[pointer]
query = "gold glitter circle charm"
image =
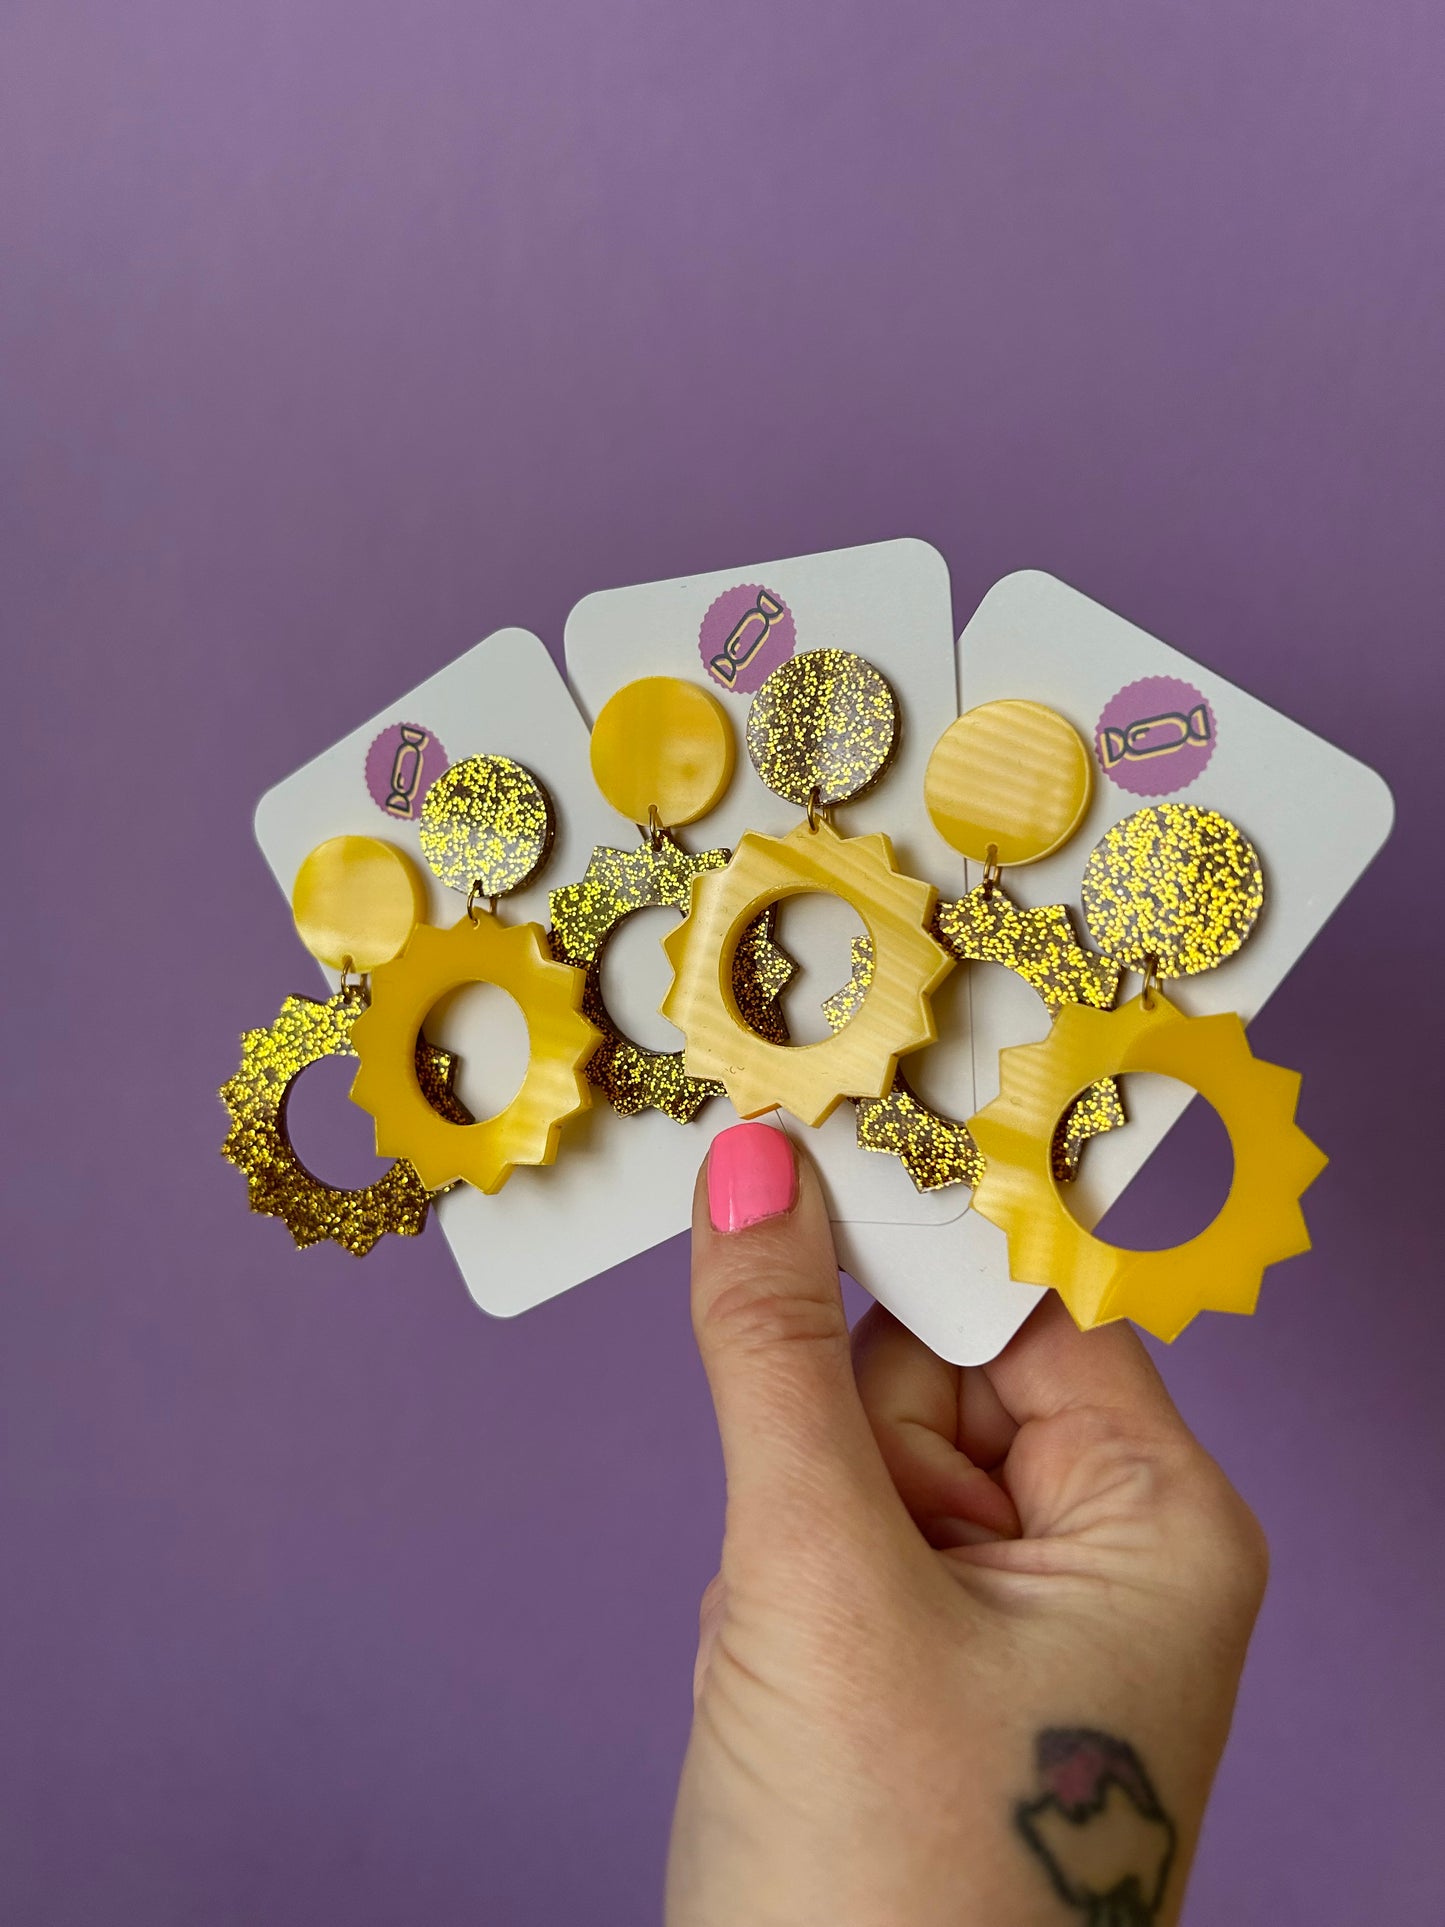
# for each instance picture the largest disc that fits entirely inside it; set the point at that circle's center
(1013, 777)
(486, 824)
(1260, 1222)
(585, 915)
(662, 744)
(822, 727)
(1040, 947)
(1172, 887)
(809, 1080)
(356, 901)
(278, 1183)
(516, 959)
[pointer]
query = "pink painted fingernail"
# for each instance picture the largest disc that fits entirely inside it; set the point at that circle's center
(750, 1176)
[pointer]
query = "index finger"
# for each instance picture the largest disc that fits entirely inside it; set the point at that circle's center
(1050, 1366)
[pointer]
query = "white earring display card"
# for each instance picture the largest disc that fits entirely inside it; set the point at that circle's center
(891, 603)
(1162, 728)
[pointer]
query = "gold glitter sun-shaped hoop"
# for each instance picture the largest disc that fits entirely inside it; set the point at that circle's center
(821, 729)
(662, 755)
(1040, 947)
(278, 1184)
(1220, 1269)
(486, 827)
(585, 915)
(355, 902)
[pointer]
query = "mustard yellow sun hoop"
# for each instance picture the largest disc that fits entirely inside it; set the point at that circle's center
(809, 1080)
(1220, 1269)
(526, 1131)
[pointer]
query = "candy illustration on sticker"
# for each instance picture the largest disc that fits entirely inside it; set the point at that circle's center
(1155, 736)
(401, 765)
(745, 634)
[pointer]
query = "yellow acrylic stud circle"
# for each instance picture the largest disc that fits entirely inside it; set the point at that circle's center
(515, 958)
(356, 900)
(1259, 1223)
(895, 1017)
(1013, 776)
(662, 744)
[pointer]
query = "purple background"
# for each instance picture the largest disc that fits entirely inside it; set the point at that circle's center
(337, 334)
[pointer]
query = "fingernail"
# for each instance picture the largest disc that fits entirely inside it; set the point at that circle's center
(750, 1176)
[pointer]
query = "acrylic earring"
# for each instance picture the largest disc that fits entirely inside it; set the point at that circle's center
(486, 828)
(820, 730)
(1168, 892)
(662, 755)
(1008, 783)
(355, 901)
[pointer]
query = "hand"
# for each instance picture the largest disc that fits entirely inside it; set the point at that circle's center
(973, 1649)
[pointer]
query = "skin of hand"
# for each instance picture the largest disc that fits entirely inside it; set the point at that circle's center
(924, 1569)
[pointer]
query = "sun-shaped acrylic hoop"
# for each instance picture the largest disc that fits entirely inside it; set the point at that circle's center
(515, 958)
(807, 1079)
(1220, 1269)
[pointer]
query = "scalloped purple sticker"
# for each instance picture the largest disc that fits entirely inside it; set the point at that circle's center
(745, 634)
(401, 765)
(1155, 736)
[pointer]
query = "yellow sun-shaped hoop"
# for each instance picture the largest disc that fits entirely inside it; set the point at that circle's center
(809, 1080)
(515, 958)
(1220, 1269)
(278, 1184)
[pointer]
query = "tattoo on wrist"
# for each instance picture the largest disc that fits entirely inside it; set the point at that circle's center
(1097, 1827)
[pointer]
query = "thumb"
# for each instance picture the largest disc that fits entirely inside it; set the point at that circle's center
(768, 1314)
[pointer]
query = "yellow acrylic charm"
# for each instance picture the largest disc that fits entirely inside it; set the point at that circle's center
(895, 1016)
(1220, 1269)
(514, 958)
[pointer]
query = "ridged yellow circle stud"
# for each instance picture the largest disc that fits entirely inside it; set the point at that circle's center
(1015, 775)
(356, 900)
(664, 744)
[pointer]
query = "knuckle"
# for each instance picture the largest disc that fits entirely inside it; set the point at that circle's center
(714, 1598)
(1237, 1540)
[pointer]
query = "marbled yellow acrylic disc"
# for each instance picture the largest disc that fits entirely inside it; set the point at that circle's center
(356, 900)
(1173, 885)
(1015, 775)
(665, 744)
(823, 725)
(485, 822)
